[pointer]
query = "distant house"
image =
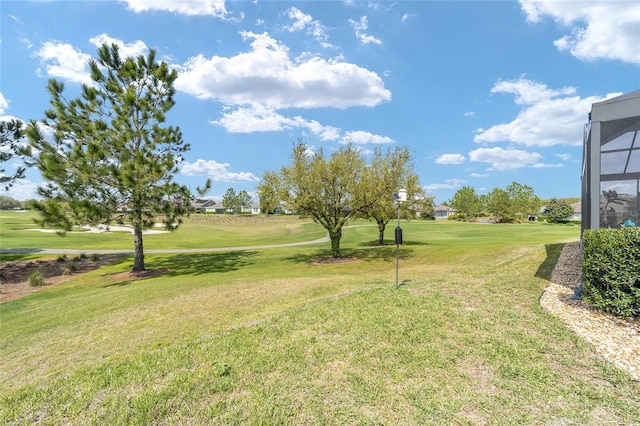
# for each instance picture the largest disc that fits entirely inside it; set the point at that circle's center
(221, 209)
(442, 212)
(254, 208)
(204, 206)
(577, 211)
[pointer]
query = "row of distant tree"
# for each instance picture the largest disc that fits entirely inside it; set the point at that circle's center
(8, 203)
(236, 201)
(516, 202)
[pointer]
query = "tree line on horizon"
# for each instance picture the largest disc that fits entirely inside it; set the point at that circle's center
(515, 203)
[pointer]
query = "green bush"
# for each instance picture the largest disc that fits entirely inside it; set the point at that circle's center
(611, 270)
(36, 279)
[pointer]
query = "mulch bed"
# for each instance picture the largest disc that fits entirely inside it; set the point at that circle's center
(13, 275)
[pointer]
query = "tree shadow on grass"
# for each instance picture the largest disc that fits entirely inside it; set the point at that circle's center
(546, 267)
(386, 253)
(189, 264)
(389, 243)
(204, 263)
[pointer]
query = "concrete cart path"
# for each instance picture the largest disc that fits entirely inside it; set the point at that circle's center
(151, 251)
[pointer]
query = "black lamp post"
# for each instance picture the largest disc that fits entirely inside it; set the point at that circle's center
(399, 197)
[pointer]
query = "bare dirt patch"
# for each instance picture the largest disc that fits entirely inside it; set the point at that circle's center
(13, 275)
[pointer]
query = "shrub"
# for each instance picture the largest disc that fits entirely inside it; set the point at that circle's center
(62, 258)
(611, 270)
(36, 279)
(95, 257)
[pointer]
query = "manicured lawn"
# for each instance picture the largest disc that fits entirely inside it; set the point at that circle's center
(203, 231)
(270, 337)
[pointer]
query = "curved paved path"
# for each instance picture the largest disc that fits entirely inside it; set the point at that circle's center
(192, 250)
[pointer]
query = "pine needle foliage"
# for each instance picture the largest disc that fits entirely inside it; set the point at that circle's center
(111, 156)
(11, 131)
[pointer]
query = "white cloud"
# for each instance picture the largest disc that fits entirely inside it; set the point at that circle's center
(470, 114)
(133, 50)
(548, 117)
(600, 29)
(361, 137)
(545, 166)
(303, 21)
(216, 171)
(4, 104)
(325, 133)
(23, 190)
(266, 75)
(192, 7)
(479, 175)
(504, 159)
(16, 19)
(360, 28)
(26, 42)
(448, 184)
(529, 92)
(564, 157)
(451, 159)
(264, 119)
(300, 20)
(62, 60)
(406, 16)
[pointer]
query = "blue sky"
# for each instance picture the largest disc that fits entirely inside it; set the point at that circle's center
(483, 93)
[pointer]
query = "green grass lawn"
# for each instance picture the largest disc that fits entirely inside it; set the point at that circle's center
(201, 231)
(270, 337)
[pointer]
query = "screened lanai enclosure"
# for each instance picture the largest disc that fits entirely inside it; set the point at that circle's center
(611, 164)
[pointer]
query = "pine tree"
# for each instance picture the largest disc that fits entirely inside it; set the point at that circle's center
(112, 158)
(11, 132)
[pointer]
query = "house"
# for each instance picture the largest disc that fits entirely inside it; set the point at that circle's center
(443, 212)
(203, 206)
(611, 164)
(254, 208)
(577, 211)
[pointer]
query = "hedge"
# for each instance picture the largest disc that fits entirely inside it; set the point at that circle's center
(611, 270)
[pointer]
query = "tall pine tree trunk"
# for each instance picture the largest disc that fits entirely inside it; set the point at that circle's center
(138, 257)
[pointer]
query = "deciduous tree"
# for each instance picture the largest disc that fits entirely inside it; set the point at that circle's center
(331, 191)
(499, 204)
(523, 200)
(244, 199)
(466, 201)
(230, 200)
(112, 157)
(392, 169)
(269, 192)
(557, 210)
(8, 203)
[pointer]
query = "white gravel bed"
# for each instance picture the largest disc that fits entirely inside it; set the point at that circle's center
(615, 339)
